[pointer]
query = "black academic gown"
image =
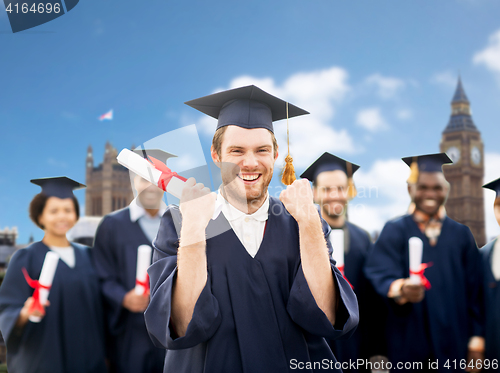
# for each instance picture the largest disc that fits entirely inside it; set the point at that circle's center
(440, 326)
(70, 338)
(115, 256)
(492, 305)
(254, 315)
(366, 340)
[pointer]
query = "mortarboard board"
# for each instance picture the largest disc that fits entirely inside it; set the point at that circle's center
(330, 162)
(60, 187)
(159, 154)
(494, 185)
(425, 163)
(247, 107)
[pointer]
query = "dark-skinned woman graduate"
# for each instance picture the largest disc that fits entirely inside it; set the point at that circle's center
(69, 336)
(491, 271)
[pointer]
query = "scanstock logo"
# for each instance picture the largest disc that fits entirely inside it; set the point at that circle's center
(25, 14)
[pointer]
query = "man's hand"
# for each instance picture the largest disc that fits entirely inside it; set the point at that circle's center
(197, 206)
(298, 200)
(413, 293)
(134, 302)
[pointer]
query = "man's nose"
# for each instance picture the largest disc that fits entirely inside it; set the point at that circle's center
(250, 160)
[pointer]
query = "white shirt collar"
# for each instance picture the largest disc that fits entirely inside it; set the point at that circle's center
(137, 211)
(231, 213)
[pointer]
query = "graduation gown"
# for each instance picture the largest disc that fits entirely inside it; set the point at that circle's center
(254, 315)
(439, 327)
(491, 304)
(366, 340)
(115, 256)
(70, 338)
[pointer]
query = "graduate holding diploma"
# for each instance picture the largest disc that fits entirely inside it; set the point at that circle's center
(64, 333)
(261, 296)
(427, 267)
(122, 254)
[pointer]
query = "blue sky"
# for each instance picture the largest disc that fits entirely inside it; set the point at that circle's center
(377, 77)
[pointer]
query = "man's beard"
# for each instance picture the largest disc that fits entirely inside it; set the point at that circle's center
(331, 211)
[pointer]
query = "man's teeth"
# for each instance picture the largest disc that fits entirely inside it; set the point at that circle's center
(249, 177)
(430, 202)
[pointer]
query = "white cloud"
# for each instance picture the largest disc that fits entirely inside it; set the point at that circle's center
(382, 194)
(387, 87)
(491, 172)
(404, 114)
(446, 79)
(318, 92)
(490, 56)
(371, 119)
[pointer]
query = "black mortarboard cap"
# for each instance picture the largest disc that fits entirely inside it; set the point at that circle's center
(60, 187)
(159, 154)
(494, 185)
(247, 107)
(429, 162)
(328, 162)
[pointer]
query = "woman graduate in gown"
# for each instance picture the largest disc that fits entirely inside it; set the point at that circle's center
(69, 337)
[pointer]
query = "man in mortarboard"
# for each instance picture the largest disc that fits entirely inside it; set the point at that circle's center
(491, 272)
(115, 255)
(263, 295)
(333, 189)
(439, 319)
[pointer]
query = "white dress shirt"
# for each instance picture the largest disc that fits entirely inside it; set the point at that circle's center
(66, 254)
(149, 224)
(249, 228)
(495, 260)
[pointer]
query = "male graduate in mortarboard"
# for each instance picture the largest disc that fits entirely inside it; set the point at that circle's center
(263, 295)
(115, 254)
(333, 188)
(439, 318)
(491, 271)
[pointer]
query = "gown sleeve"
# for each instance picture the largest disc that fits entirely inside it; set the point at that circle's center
(104, 256)
(13, 293)
(304, 311)
(474, 270)
(384, 264)
(162, 273)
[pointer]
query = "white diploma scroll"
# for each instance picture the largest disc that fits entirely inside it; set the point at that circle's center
(46, 277)
(416, 247)
(337, 241)
(143, 263)
(137, 164)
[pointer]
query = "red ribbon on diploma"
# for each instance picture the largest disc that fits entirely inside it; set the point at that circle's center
(166, 173)
(144, 284)
(341, 269)
(35, 284)
(420, 273)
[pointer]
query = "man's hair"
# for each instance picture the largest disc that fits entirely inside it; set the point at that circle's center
(37, 206)
(219, 136)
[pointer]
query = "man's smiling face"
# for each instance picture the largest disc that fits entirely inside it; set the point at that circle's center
(247, 159)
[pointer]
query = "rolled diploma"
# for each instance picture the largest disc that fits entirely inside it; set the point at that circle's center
(337, 241)
(46, 277)
(137, 164)
(416, 247)
(143, 262)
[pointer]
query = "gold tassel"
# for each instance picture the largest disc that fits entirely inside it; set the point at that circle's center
(413, 172)
(288, 173)
(351, 189)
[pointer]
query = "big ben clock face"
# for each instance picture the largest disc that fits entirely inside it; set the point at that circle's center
(454, 153)
(475, 155)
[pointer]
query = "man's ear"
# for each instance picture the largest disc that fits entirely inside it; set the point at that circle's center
(410, 190)
(277, 153)
(214, 155)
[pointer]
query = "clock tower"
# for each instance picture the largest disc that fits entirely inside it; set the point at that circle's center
(462, 142)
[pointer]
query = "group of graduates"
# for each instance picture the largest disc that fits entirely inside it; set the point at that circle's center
(257, 309)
